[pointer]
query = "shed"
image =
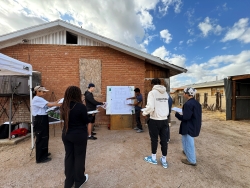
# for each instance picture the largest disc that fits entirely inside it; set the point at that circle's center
(237, 89)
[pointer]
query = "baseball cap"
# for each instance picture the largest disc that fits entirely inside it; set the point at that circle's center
(40, 88)
(91, 85)
(190, 91)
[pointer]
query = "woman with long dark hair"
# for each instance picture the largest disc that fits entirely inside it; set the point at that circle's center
(41, 123)
(74, 136)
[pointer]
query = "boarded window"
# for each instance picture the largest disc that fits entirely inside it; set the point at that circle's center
(90, 72)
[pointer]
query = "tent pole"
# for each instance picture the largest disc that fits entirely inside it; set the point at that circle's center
(10, 116)
(31, 119)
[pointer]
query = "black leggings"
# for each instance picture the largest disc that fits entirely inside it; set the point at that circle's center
(159, 128)
(41, 128)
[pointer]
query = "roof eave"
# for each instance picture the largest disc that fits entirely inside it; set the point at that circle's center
(106, 41)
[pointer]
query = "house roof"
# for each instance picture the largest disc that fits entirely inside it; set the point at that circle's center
(205, 84)
(239, 77)
(18, 37)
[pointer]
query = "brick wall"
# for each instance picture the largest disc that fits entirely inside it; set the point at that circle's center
(59, 67)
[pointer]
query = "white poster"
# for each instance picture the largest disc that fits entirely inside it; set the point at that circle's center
(117, 100)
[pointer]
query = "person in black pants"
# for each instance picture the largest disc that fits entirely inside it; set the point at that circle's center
(138, 107)
(41, 123)
(74, 137)
(91, 104)
(158, 109)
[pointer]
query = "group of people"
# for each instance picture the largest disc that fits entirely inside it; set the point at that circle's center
(78, 126)
(77, 129)
(159, 107)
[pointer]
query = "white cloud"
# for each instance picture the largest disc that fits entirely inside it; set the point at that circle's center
(166, 35)
(207, 47)
(146, 42)
(218, 66)
(191, 31)
(224, 6)
(167, 3)
(161, 52)
(123, 21)
(190, 15)
(205, 26)
(217, 30)
(240, 31)
(190, 42)
(209, 26)
(146, 19)
(178, 60)
(181, 42)
(164, 54)
(224, 48)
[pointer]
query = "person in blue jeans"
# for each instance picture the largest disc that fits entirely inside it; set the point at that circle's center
(138, 107)
(170, 103)
(190, 125)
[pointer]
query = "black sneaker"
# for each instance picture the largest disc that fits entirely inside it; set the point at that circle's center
(92, 133)
(45, 160)
(92, 137)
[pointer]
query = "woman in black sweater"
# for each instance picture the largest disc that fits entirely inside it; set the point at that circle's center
(74, 137)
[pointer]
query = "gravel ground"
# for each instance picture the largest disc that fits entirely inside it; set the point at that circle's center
(115, 159)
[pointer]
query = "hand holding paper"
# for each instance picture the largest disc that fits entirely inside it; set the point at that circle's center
(104, 106)
(128, 101)
(179, 110)
(60, 101)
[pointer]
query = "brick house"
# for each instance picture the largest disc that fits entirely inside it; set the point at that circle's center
(209, 94)
(67, 55)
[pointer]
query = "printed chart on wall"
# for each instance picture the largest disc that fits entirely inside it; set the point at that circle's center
(117, 100)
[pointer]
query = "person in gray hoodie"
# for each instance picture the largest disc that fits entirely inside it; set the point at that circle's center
(158, 109)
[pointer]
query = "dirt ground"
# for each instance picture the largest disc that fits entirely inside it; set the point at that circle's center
(116, 159)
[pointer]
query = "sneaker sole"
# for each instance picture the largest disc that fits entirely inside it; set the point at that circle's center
(150, 162)
(163, 165)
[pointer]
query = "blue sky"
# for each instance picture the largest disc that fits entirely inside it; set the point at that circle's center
(210, 38)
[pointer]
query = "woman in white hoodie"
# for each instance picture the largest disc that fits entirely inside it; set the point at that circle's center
(158, 109)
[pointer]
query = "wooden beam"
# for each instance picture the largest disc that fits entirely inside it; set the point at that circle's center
(242, 77)
(234, 101)
(242, 97)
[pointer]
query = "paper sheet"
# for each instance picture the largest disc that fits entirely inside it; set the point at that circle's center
(104, 106)
(179, 110)
(129, 101)
(93, 112)
(61, 101)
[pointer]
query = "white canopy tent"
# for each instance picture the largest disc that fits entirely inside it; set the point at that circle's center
(11, 66)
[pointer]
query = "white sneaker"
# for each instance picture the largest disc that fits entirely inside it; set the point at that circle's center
(87, 177)
(139, 131)
(164, 164)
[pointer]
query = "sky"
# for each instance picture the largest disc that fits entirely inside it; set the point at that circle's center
(209, 38)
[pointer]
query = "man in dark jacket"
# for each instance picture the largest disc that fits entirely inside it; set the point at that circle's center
(190, 125)
(91, 104)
